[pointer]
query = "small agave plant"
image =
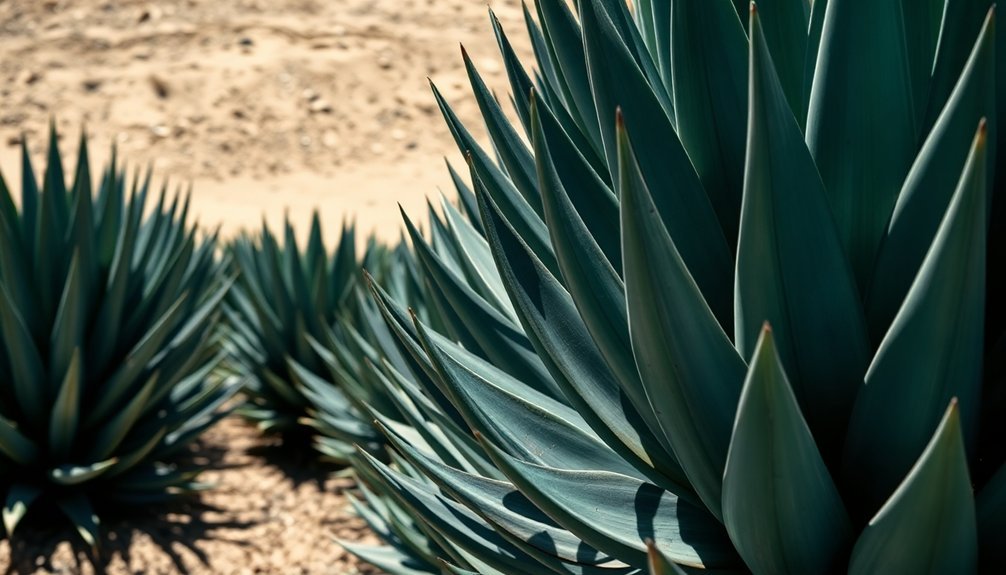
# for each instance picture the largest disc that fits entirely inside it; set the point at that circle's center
(288, 308)
(107, 345)
(734, 308)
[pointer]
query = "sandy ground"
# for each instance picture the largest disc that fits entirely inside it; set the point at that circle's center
(268, 515)
(265, 106)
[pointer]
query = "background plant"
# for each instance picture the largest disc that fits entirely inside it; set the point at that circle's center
(598, 391)
(107, 323)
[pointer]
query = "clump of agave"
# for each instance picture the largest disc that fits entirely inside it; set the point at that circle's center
(288, 308)
(736, 308)
(107, 316)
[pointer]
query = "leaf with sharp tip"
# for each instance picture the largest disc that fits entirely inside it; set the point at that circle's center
(503, 341)
(792, 270)
(458, 524)
(928, 524)
(595, 286)
(708, 50)
(29, 200)
(388, 559)
(524, 525)
(861, 123)
(679, 195)
(780, 505)
(20, 496)
(486, 173)
(476, 259)
(921, 21)
(531, 425)
(78, 509)
(931, 353)
(77, 474)
(616, 514)
(513, 152)
(929, 187)
(962, 23)
(690, 370)
(590, 192)
(554, 326)
(66, 409)
(567, 49)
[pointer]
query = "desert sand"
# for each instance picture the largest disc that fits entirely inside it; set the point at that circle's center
(267, 107)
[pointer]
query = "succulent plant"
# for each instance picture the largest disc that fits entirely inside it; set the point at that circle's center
(287, 309)
(107, 322)
(733, 309)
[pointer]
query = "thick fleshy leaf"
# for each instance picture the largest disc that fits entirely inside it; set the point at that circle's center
(592, 281)
(658, 562)
(555, 328)
(784, 27)
(78, 509)
(26, 364)
(962, 22)
(617, 514)
(932, 352)
(709, 64)
(780, 505)
(77, 474)
(678, 194)
(929, 186)
(861, 124)
(691, 372)
(928, 523)
(791, 268)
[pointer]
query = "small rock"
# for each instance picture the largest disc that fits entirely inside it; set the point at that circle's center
(92, 85)
(377, 148)
(13, 141)
(329, 139)
(28, 77)
(150, 13)
(160, 131)
(384, 61)
(246, 42)
(160, 86)
(305, 141)
(309, 95)
(398, 135)
(321, 106)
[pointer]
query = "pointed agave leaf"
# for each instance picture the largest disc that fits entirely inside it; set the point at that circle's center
(555, 328)
(780, 505)
(861, 124)
(66, 409)
(616, 514)
(709, 64)
(928, 524)
(110, 435)
(917, 369)
(962, 23)
(791, 268)
(929, 187)
(678, 194)
(691, 372)
(77, 474)
(20, 496)
(388, 559)
(595, 286)
(78, 509)
(513, 152)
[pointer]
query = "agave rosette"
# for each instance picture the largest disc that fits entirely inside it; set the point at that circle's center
(107, 331)
(732, 308)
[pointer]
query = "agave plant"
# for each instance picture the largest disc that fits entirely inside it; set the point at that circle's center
(733, 309)
(287, 309)
(107, 316)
